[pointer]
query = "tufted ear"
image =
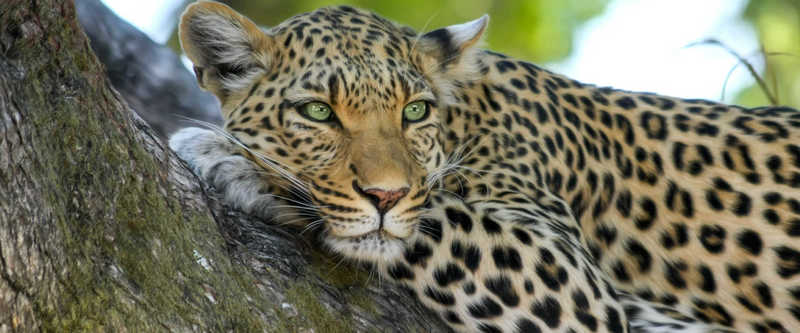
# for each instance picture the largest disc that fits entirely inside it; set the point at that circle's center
(228, 50)
(451, 44)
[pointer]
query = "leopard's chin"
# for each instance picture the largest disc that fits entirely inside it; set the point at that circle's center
(376, 247)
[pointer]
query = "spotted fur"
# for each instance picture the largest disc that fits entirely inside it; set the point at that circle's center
(531, 202)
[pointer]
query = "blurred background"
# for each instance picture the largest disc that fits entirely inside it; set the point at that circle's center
(686, 48)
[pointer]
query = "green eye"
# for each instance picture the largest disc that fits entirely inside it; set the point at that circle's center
(415, 111)
(317, 111)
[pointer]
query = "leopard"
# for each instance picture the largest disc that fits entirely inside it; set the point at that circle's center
(503, 196)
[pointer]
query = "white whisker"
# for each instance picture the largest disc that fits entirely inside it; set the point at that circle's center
(269, 162)
(312, 225)
(452, 163)
(422, 32)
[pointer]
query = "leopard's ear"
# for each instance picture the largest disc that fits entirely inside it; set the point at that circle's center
(451, 54)
(228, 50)
(451, 44)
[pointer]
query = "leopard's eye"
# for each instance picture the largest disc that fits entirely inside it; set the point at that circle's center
(415, 111)
(317, 111)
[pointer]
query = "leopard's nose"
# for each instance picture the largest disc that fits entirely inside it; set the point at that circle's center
(382, 199)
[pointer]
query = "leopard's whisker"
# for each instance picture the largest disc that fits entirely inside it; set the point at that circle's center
(269, 162)
(298, 203)
(422, 33)
(313, 225)
(453, 161)
(301, 208)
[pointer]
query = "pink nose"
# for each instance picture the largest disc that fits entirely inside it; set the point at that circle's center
(385, 200)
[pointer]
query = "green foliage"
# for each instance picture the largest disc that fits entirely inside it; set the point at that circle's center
(778, 25)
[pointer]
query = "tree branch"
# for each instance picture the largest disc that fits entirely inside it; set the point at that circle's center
(149, 76)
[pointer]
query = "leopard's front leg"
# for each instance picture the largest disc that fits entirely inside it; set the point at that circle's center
(242, 183)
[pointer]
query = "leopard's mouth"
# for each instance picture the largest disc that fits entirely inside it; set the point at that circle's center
(384, 234)
(375, 246)
(381, 235)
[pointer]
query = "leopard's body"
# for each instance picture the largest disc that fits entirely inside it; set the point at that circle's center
(523, 200)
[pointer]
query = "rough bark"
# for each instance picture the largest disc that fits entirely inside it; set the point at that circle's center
(102, 228)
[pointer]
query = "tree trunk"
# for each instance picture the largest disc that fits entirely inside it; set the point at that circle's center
(103, 228)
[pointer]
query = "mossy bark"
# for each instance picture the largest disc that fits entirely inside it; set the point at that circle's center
(102, 228)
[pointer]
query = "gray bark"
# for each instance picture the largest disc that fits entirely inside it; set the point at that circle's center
(103, 228)
(149, 76)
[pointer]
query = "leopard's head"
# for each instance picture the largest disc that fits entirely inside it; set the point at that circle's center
(342, 109)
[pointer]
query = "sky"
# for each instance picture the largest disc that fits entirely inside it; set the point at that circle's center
(639, 45)
(645, 46)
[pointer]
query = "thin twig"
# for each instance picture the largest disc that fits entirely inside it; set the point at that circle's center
(742, 60)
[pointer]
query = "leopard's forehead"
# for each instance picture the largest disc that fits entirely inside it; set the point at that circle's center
(353, 53)
(347, 21)
(358, 37)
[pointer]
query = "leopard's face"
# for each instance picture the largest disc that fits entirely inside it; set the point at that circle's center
(357, 135)
(351, 132)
